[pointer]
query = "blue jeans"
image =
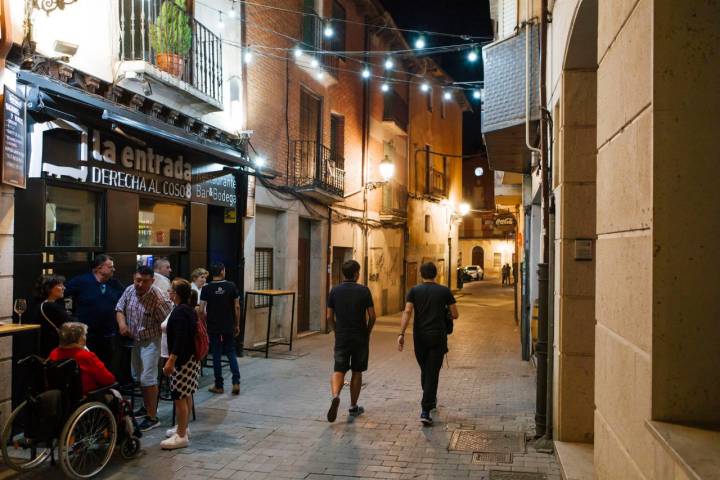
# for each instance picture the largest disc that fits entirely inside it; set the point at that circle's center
(219, 345)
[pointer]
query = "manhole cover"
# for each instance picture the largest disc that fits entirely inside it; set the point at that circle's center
(502, 475)
(493, 442)
(491, 457)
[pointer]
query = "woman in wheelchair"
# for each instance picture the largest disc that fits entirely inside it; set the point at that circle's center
(93, 373)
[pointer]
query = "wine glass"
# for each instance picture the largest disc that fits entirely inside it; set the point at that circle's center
(20, 307)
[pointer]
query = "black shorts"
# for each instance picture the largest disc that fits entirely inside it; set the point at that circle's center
(352, 355)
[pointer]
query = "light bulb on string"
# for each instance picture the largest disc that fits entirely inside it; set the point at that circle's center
(385, 87)
(221, 24)
(314, 63)
(389, 63)
(472, 56)
(476, 94)
(328, 30)
(366, 72)
(447, 95)
(297, 51)
(232, 13)
(248, 56)
(420, 42)
(425, 87)
(320, 75)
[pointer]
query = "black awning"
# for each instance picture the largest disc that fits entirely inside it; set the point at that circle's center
(47, 90)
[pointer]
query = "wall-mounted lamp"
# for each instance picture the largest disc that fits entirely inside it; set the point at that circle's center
(387, 169)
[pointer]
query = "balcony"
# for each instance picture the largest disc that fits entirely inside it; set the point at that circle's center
(164, 51)
(318, 171)
(437, 184)
(314, 40)
(395, 113)
(394, 202)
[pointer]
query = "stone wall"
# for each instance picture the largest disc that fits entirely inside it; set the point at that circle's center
(7, 226)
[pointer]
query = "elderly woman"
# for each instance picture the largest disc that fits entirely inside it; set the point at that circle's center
(48, 312)
(93, 373)
(181, 365)
(199, 279)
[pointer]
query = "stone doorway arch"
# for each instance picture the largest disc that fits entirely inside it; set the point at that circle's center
(478, 257)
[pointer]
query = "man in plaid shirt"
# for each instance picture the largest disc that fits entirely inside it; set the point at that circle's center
(140, 311)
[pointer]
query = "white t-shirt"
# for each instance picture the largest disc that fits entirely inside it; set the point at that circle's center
(162, 282)
(163, 339)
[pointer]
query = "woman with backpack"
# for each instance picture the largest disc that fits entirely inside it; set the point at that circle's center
(182, 365)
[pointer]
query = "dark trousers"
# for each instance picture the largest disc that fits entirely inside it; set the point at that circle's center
(104, 348)
(429, 352)
(224, 345)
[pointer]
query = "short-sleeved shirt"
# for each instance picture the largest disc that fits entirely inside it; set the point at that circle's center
(350, 301)
(94, 303)
(144, 314)
(430, 302)
(220, 297)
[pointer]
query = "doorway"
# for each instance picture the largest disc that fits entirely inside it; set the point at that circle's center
(478, 257)
(222, 240)
(303, 293)
(340, 256)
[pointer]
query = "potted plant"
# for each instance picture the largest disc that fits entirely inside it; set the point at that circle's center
(171, 37)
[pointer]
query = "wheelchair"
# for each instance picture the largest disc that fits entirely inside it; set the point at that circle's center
(55, 417)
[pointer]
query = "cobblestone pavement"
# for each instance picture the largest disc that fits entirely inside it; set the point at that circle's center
(276, 428)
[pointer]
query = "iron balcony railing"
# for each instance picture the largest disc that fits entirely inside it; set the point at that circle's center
(437, 184)
(163, 34)
(317, 166)
(394, 199)
(315, 40)
(395, 109)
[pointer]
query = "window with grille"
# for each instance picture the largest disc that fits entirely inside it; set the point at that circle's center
(263, 274)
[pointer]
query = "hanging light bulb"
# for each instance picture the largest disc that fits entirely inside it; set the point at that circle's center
(472, 56)
(260, 161)
(389, 63)
(297, 51)
(248, 56)
(232, 13)
(476, 94)
(221, 24)
(320, 75)
(366, 72)
(447, 95)
(314, 63)
(385, 87)
(420, 42)
(425, 87)
(328, 31)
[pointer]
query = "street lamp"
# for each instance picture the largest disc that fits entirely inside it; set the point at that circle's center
(387, 169)
(464, 209)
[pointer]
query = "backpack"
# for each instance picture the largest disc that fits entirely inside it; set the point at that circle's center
(202, 342)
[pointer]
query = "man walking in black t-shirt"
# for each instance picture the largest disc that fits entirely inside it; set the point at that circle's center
(431, 303)
(350, 309)
(220, 301)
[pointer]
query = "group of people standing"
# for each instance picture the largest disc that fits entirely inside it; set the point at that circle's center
(155, 319)
(509, 274)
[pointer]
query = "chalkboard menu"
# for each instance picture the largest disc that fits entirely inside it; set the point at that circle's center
(13, 147)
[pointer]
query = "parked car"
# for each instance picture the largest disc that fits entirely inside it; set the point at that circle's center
(475, 272)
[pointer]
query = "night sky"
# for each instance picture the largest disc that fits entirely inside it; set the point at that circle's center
(462, 17)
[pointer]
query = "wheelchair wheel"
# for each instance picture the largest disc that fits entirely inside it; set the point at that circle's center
(129, 447)
(87, 440)
(21, 453)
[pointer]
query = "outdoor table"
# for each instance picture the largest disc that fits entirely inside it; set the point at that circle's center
(271, 294)
(19, 351)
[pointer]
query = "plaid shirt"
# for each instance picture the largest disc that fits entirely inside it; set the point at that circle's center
(144, 314)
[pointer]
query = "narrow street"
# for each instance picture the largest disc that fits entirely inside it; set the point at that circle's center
(277, 429)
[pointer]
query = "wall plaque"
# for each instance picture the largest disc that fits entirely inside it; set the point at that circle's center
(13, 148)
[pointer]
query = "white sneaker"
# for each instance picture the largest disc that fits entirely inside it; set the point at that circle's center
(172, 431)
(174, 442)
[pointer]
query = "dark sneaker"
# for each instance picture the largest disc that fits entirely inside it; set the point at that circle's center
(149, 423)
(332, 413)
(356, 411)
(216, 390)
(236, 389)
(140, 412)
(425, 418)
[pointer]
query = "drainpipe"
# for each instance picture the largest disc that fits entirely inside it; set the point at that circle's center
(365, 160)
(329, 263)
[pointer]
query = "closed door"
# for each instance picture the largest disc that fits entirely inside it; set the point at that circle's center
(303, 314)
(478, 257)
(412, 271)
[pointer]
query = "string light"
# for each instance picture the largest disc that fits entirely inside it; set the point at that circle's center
(328, 31)
(232, 13)
(472, 56)
(297, 51)
(248, 56)
(366, 72)
(389, 63)
(476, 94)
(420, 43)
(385, 87)
(314, 63)
(447, 95)
(260, 161)
(320, 75)
(220, 20)
(425, 87)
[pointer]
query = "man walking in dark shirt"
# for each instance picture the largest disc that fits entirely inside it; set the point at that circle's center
(350, 309)
(431, 303)
(220, 301)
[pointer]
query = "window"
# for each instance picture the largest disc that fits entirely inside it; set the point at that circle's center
(428, 222)
(497, 259)
(338, 14)
(263, 274)
(337, 140)
(71, 218)
(161, 225)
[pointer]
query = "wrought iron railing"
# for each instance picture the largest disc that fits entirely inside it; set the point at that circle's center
(394, 199)
(437, 184)
(163, 34)
(396, 110)
(317, 166)
(315, 40)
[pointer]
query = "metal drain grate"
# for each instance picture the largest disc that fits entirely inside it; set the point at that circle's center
(491, 457)
(489, 442)
(502, 475)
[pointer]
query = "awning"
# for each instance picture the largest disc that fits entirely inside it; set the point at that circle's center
(49, 95)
